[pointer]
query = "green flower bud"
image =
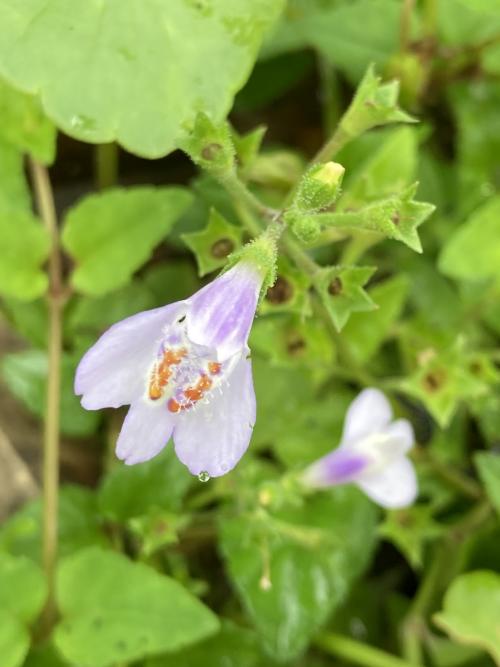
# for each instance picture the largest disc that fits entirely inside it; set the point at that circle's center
(319, 187)
(305, 227)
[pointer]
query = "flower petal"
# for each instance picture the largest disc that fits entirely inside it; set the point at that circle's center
(221, 314)
(401, 431)
(112, 372)
(145, 432)
(338, 467)
(370, 412)
(394, 486)
(213, 436)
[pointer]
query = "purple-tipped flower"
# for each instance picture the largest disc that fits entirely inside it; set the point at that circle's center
(372, 454)
(185, 371)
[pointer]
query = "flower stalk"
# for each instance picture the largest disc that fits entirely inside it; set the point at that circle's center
(50, 474)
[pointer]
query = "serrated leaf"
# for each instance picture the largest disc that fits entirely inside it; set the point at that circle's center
(364, 334)
(488, 466)
(471, 610)
(290, 341)
(25, 373)
(25, 247)
(395, 217)
(104, 621)
(24, 125)
(473, 251)
(212, 245)
(294, 568)
(342, 293)
(89, 63)
(290, 291)
(410, 530)
(132, 491)
(111, 235)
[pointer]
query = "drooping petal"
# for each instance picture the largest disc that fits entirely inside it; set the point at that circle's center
(392, 487)
(220, 315)
(370, 412)
(338, 467)
(213, 436)
(112, 372)
(145, 432)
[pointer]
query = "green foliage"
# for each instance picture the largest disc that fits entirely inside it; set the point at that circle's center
(488, 465)
(342, 293)
(111, 235)
(26, 374)
(293, 568)
(24, 125)
(22, 594)
(87, 86)
(212, 245)
(478, 592)
(104, 621)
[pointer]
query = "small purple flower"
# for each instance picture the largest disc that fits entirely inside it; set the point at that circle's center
(185, 371)
(372, 454)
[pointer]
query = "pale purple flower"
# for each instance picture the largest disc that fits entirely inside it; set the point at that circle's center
(185, 371)
(372, 454)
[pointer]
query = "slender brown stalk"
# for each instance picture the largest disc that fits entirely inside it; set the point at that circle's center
(47, 212)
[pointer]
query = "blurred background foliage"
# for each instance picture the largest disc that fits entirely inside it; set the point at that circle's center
(156, 568)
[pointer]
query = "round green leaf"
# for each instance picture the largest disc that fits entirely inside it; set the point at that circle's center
(471, 611)
(91, 60)
(111, 235)
(22, 587)
(14, 640)
(114, 610)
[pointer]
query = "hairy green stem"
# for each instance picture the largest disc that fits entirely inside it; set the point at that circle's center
(106, 165)
(240, 192)
(46, 209)
(339, 139)
(405, 24)
(356, 652)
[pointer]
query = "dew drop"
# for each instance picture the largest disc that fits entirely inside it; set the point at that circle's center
(203, 476)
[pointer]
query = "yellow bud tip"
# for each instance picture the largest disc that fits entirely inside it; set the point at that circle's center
(330, 173)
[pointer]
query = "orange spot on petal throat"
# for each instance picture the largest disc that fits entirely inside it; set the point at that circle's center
(162, 372)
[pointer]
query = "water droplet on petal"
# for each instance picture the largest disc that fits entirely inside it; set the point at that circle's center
(203, 476)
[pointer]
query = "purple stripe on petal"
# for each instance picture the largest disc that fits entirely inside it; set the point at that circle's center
(338, 467)
(221, 314)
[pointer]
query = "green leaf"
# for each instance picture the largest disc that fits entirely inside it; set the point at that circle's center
(24, 125)
(342, 293)
(290, 292)
(410, 530)
(14, 640)
(14, 190)
(291, 341)
(339, 31)
(89, 63)
(443, 379)
(488, 466)
(171, 282)
(388, 171)
(22, 595)
(29, 319)
(365, 333)
(105, 622)
(44, 656)
(212, 245)
(111, 235)
(375, 103)
(25, 373)
(471, 610)
(231, 647)
(292, 569)
(396, 217)
(79, 525)
(132, 491)
(25, 247)
(473, 251)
